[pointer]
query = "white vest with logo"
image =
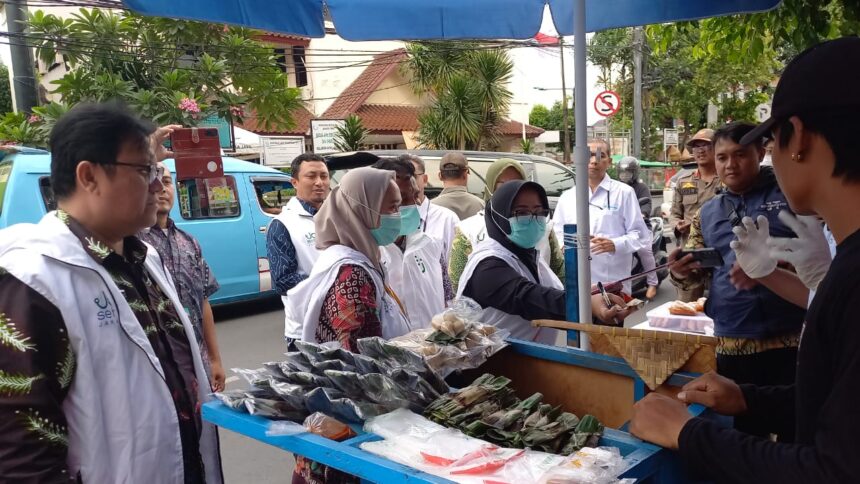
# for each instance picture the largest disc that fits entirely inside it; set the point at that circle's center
(122, 423)
(474, 228)
(519, 327)
(304, 302)
(300, 225)
(415, 275)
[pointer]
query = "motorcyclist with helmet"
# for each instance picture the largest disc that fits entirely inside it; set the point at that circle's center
(628, 172)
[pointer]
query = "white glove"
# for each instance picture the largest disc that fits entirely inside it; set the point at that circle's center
(751, 248)
(809, 253)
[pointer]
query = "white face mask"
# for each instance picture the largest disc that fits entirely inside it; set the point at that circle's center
(768, 160)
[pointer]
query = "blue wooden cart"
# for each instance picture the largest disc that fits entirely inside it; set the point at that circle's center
(580, 381)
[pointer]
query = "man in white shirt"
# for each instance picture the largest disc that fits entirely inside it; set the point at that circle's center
(617, 227)
(436, 221)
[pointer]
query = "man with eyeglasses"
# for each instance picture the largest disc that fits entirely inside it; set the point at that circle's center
(694, 189)
(195, 282)
(617, 227)
(437, 221)
(101, 379)
(758, 331)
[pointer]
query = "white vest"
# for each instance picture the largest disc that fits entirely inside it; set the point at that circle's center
(300, 225)
(520, 328)
(474, 228)
(304, 302)
(439, 223)
(122, 423)
(415, 275)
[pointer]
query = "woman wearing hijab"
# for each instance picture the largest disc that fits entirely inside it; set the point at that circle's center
(345, 298)
(472, 230)
(505, 274)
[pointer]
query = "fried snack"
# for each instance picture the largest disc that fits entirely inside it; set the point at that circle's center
(680, 308)
(700, 304)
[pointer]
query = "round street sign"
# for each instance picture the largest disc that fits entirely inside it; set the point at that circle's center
(762, 112)
(607, 103)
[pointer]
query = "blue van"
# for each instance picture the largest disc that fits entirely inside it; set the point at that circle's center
(229, 215)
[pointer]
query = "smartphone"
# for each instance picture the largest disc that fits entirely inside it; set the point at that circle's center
(197, 152)
(708, 258)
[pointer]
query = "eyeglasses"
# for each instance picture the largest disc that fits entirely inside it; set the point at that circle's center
(700, 147)
(525, 215)
(149, 171)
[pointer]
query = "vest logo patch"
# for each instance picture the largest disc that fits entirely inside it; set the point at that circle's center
(420, 263)
(481, 236)
(310, 238)
(774, 205)
(106, 312)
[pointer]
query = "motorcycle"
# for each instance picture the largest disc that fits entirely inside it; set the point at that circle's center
(661, 256)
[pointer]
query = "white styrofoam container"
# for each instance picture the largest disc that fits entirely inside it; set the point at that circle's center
(659, 318)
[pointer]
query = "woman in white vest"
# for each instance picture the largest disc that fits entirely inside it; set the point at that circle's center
(414, 263)
(346, 298)
(506, 276)
(473, 230)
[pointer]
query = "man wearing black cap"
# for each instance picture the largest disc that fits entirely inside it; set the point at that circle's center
(454, 173)
(814, 158)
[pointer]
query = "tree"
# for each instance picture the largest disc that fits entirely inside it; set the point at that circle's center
(468, 84)
(350, 136)
(526, 146)
(788, 29)
(171, 71)
(5, 90)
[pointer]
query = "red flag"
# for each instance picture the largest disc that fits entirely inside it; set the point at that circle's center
(544, 39)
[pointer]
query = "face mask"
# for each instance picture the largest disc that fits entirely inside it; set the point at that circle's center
(410, 219)
(527, 231)
(768, 160)
(388, 230)
(625, 176)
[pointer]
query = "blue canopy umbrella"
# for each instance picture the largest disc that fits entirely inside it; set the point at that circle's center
(463, 19)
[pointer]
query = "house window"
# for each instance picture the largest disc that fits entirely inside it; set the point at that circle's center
(301, 68)
(202, 198)
(47, 193)
(281, 60)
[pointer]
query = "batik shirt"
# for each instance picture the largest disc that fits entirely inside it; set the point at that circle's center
(37, 364)
(182, 257)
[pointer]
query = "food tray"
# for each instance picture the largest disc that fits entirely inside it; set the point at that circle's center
(660, 318)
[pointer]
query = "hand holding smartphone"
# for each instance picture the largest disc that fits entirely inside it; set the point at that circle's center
(707, 258)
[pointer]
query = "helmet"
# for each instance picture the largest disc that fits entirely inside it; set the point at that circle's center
(628, 169)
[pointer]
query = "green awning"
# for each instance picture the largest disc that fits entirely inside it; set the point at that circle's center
(644, 163)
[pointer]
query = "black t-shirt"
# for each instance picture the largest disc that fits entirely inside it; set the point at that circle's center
(825, 401)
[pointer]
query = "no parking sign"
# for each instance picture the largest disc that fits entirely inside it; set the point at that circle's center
(607, 103)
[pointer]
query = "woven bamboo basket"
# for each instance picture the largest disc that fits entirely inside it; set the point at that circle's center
(654, 355)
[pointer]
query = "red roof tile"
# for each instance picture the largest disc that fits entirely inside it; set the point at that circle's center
(363, 86)
(277, 38)
(388, 118)
(302, 118)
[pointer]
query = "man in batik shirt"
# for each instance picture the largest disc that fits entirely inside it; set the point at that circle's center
(182, 257)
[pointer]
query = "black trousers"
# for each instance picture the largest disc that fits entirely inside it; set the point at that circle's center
(772, 367)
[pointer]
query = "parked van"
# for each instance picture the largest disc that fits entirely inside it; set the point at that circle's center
(228, 215)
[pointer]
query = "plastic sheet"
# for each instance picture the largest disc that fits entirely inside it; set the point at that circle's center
(588, 466)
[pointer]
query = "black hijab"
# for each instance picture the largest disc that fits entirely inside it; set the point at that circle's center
(498, 211)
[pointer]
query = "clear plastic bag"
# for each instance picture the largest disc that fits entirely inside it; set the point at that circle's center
(321, 424)
(457, 340)
(284, 427)
(600, 465)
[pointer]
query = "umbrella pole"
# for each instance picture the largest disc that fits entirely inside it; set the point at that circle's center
(581, 156)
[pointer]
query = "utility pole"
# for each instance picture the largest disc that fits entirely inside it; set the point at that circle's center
(638, 40)
(23, 77)
(565, 116)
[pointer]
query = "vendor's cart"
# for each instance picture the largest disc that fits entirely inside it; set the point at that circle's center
(580, 381)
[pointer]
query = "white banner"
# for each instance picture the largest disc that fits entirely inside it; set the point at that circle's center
(323, 132)
(279, 151)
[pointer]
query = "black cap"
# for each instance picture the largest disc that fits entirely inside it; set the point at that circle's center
(821, 78)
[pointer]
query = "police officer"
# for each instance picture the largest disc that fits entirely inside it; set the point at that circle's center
(693, 190)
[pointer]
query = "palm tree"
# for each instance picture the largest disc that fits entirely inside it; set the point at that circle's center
(469, 85)
(350, 136)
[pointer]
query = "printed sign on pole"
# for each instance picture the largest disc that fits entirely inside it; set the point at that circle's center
(278, 151)
(607, 103)
(323, 133)
(670, 137)
(762, 112)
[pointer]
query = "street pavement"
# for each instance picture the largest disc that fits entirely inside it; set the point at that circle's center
(251, 334)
